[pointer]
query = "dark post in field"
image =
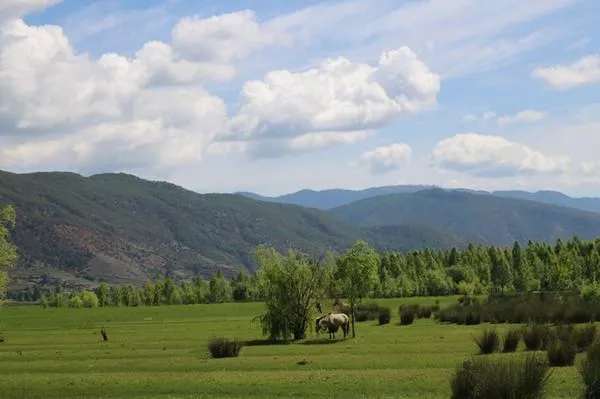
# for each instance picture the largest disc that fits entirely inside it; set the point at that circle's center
(104, 334)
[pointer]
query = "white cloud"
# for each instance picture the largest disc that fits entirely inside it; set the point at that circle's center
(563, 77)
(63, 109)
(221, 38)
(276, 148)
(339, 96)
(455, 37)
(486, 116)
(10, 9)
(494, 156)
(386, 159)
(526, 116)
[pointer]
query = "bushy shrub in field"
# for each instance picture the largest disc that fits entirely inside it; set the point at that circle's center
(511, 340)
(488, 342)
(385, 315)
(561, 353)
(420, 311)
(584, 336)
(366, 311)
(220, 347)
(522, 308)
(589, 369)
(534, 336)
(489, 378)
(407, 316)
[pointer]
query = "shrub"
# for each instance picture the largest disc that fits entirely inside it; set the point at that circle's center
(366, 311)
(361, 315)
(561, 353)
(490, 378)
(522, 308)
(407, 316)
(385, 315)
(584, 336)
(488, 342)
(589, 369)
(472, 318)
(534, 336)
(511, 340)
(220, 347)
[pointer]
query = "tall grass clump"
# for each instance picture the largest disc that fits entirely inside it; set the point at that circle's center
(535, 336)
(366, 311)
(556, 308)
(584, 336)
(385, 315)
(220, 347)
(488, 378)
(407, 316)
(511, 340)
(488, 342)
(589, 370)
(561, 353)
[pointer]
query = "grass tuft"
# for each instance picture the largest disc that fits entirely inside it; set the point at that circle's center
(489, 378)
(220, 347)
(488, 342)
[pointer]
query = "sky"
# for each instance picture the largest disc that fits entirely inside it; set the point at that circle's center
(273, 97)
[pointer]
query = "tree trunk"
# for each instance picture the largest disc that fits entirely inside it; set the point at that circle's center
(352, 311)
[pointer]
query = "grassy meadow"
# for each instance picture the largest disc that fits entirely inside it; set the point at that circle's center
(161, 352)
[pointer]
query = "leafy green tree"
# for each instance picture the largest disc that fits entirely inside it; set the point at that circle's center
(89, 299)
(200, 290)
(103, 295)
(75, 301)
(8, 252)
(290, 285)
(357, 274)
(219, 289)
(241, 286)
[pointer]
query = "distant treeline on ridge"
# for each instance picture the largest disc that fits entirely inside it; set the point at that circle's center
(477, 270)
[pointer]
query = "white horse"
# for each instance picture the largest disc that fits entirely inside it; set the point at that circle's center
(332, 322)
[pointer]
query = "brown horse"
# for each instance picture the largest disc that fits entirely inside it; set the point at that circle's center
(332, 322)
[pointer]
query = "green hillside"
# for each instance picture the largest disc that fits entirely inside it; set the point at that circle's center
(121, 228)
(487, 218)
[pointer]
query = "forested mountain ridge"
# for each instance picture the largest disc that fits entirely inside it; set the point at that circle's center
(490, 219)
(332, 198)
(121, 228)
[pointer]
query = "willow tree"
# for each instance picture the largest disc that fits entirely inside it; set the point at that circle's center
(357, 274)
(8, 252)
(290, 284)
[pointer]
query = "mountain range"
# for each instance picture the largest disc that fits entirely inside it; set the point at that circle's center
(332, 198)
(123, 229)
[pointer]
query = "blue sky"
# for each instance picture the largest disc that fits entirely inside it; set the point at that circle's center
(273, 96)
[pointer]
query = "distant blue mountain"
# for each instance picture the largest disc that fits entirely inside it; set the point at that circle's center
(333, 198)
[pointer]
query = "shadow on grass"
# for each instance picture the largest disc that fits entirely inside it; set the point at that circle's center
(264, 342)
(322, 341)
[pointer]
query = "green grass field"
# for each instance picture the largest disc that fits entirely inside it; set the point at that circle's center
(161, 353)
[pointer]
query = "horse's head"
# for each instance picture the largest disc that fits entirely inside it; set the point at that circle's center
(318, 323)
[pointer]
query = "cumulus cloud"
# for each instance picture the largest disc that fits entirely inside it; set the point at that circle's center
(277, 148)
(337, 97)
(10, 9)
(563, 77)
(63, 109)
(526, 116)
(222, 38)
(386, 159)
(494, 156)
